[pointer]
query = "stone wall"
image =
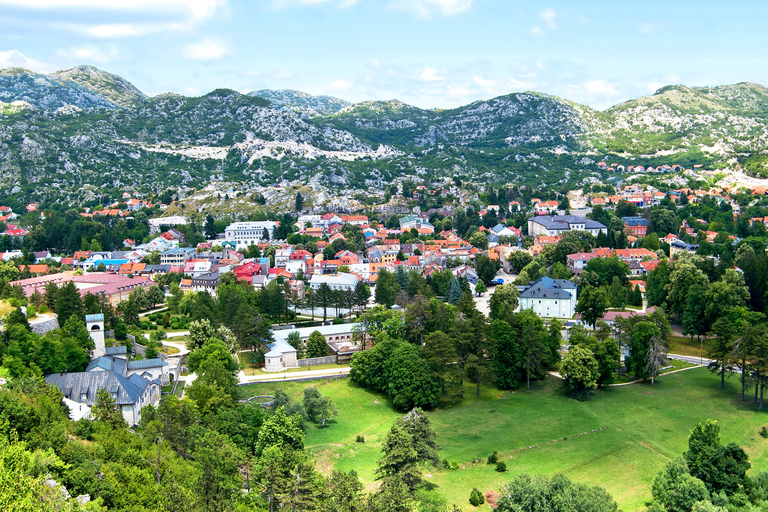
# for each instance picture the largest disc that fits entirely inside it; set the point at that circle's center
(317, 360)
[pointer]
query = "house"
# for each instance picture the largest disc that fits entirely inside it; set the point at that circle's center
(577, 261)
(636, 226)
(413, 222)
(549, 297)
(466, 272)
(205, 283)
(177, 256)
(557, 224)
(678, 246)
(115, 287)
(341, 281)
(545, 207)
(130, 394)
(155, 224)
(246, 234)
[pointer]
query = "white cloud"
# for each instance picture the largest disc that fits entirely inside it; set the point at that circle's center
(341, 4)
(482, 82)
(428, 7)
(339, 86)
(88, 54)
(16, 59)
(208, 49)
(375, 63)
(649, 27)
(108, 15)
(536, 31)
(548, 17)
(283, 74)
(430, 75)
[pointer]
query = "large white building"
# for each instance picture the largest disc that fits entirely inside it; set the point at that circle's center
(341, 281)
(245, 234)
(549, 297)
(556, 225)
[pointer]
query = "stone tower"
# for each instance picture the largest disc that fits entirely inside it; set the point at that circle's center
(95, 326)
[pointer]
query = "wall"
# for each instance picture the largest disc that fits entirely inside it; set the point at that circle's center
(317, 360)
(44, 326)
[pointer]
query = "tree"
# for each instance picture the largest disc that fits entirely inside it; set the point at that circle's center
(486, 268)
(506, 355)
(476, 498)
(618, 294)
(479, 240)
(694, 317)
(533, 353)
(299, 203)
(280, 430)
(400, 460)
(592, 304)
(387, 288)
(454, 292)
(294, 340)
(219, 480)
(683, 276)
(316, 345)
(480, 288)
(105, 411)
(439, 351)
(580, 371)
(676, 490)
(319, 408)
(656, 283)
(410, 382)
(504, 301)
(68, 303)
(723, 350)
(536, 493)
(721, 468)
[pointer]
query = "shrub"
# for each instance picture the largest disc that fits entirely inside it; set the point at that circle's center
(476, 498)
(359, 439)
(501, 466)
(493, 458)
(764, 432)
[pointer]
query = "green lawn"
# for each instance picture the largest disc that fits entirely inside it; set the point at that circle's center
(180, 388)
(684, 346)
(637, 429)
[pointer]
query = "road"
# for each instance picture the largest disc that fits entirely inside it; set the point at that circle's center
(690, 359)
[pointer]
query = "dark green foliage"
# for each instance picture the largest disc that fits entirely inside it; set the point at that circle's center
(531, 493)
(501, 467)
(493, 458)
(476, 498)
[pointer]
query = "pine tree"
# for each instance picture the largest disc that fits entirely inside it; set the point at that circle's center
(299, 201)
(454, 292)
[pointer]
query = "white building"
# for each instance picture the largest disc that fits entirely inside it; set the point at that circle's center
(556, 225)
(340, 281)
(245, 234)
(549, 297)
(154, 224)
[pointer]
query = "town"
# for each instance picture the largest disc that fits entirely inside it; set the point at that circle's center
(139, 321)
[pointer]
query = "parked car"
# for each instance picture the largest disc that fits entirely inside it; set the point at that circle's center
(498, 280)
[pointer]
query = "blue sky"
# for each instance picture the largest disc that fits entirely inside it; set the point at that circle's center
(429, 53)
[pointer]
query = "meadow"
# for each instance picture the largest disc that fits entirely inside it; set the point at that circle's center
(619, 439)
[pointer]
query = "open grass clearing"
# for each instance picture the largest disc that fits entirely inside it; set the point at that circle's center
(5, 308)
(684, 346)
(180, 388)
(637, 430)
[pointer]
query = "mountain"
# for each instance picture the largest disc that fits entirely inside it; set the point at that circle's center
(302, 102)
(85, 135)
(48, 92)
(116, 89)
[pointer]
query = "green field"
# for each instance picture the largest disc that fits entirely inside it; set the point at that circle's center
(637, 429)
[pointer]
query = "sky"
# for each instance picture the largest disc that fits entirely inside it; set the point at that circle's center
(428, 53)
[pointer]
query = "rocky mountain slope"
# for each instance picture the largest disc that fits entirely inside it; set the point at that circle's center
(86, 135)
(302, 102)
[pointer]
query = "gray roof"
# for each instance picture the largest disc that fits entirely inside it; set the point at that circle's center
(116, 351)
(157, 269)
(143, 364)
(634, 221)
(107, 364)
(72, 385)
(549, 288)
(563, 222)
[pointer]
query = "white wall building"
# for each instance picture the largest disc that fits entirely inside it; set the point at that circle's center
(549, 297)
(245, 234)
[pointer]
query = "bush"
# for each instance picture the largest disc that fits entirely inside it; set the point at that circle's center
(144, 325)
(493, 458)
(764, 432)
(476, 498)
(501, 466)
(359, 439)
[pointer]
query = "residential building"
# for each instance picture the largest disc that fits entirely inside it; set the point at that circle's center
(549, 297)
(245, 234)
(177, 256)
(557, 224)
(341, 281)
(636, 226)
(414, 222)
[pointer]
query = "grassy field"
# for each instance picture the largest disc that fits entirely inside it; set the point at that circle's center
(684, 346)
(5, 308)
(620, 439)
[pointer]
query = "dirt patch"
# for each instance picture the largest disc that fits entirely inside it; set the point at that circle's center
(491, 498)
(324, 461)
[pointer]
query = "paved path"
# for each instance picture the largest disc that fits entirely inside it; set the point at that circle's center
(287, 376)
